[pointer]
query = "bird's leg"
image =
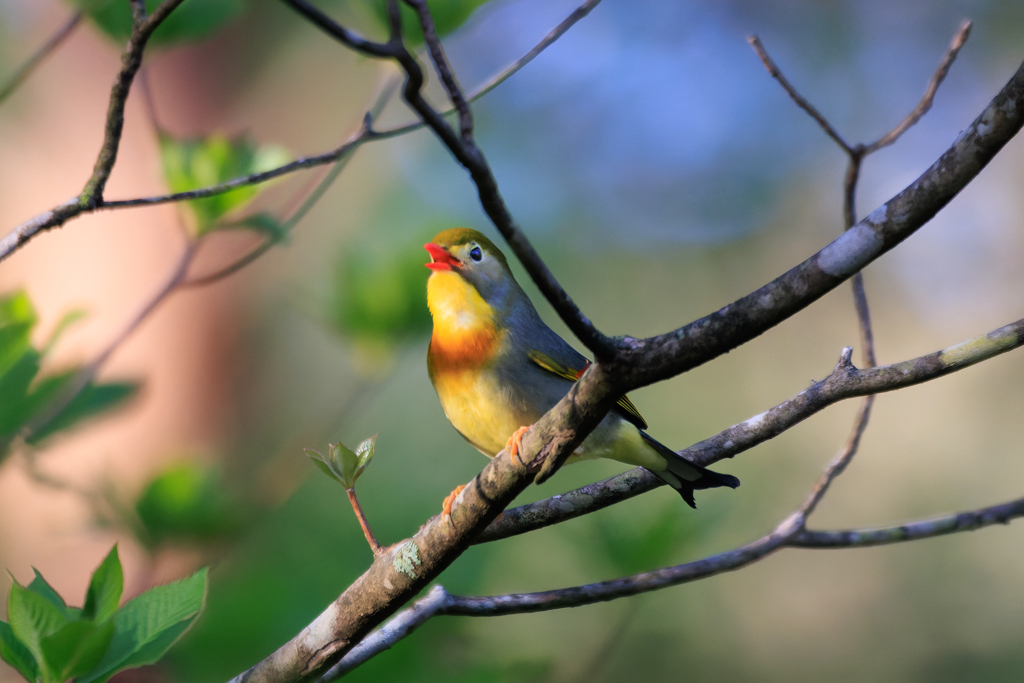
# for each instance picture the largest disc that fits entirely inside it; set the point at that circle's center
(446, 506)
(515, 442)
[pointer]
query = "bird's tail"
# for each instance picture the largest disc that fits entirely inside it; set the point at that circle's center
(684, 476)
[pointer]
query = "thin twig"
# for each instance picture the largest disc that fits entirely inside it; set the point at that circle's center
(933, 86)
(44, 51)
(300, 212)
(363, 522)
(856, 156)
(71, 209)
(776, 73)
(91, 196)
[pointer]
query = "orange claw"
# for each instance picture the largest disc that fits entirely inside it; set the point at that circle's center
(446, 506)
(515, 442)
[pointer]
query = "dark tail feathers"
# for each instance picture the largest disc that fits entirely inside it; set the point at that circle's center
(684, 476)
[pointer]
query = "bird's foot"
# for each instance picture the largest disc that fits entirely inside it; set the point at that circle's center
(446, 506)
(515, 443)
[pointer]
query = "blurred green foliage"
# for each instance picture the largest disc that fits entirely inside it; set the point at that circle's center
(187, 502)
(202, 162)
(193, 20)
(379, 295)
(28, 399)
(47, 641)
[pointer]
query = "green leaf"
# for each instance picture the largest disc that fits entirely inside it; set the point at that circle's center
(104, 589)
(76, 648)
(202, 162)
(448, 15)
(33, 618)
(323, 465)
(39, 586)
(191, 21)
(344, 465)
(93, 400)
(15, 406)
(146, 627)
(187, 501)
(16, 654)
(17, 318)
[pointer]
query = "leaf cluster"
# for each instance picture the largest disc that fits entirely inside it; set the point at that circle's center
(27, 397)
(48, 642)
(194, 163)
(342, 464)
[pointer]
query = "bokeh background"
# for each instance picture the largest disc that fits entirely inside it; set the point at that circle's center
(662, 174)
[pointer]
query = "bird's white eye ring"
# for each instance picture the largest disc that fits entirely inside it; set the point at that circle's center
(476, 254)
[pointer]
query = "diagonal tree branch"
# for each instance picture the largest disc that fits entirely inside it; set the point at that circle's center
(929, 94)
(408, 567)
(787, 535)
(472, 159)
(844, 382)
(643, 361)
(91, 196)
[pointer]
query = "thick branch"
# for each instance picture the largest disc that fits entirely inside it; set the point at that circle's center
(844, 382)
(643, 361)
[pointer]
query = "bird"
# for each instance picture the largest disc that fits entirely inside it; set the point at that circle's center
(497, 368)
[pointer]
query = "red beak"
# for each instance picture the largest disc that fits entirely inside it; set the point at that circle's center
(440, 259)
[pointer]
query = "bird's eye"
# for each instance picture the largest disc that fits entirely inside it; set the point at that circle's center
(476, 254)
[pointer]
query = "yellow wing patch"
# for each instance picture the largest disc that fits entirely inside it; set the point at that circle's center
(551, 365)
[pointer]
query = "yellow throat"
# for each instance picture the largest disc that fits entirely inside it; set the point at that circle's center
(465, 331)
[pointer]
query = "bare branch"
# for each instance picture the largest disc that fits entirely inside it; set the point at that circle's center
(71, 209)
(787, 534)
(760, 428)
(339, 32)
(643, 361)
(846, 381)
(397, 628)
(91, 196)
(44, 51)
(836, 467)
(472, 159)
(933, 86)
(912, 531)
(566, 506)
(131, 60)
(444, 69)
(777, 74)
